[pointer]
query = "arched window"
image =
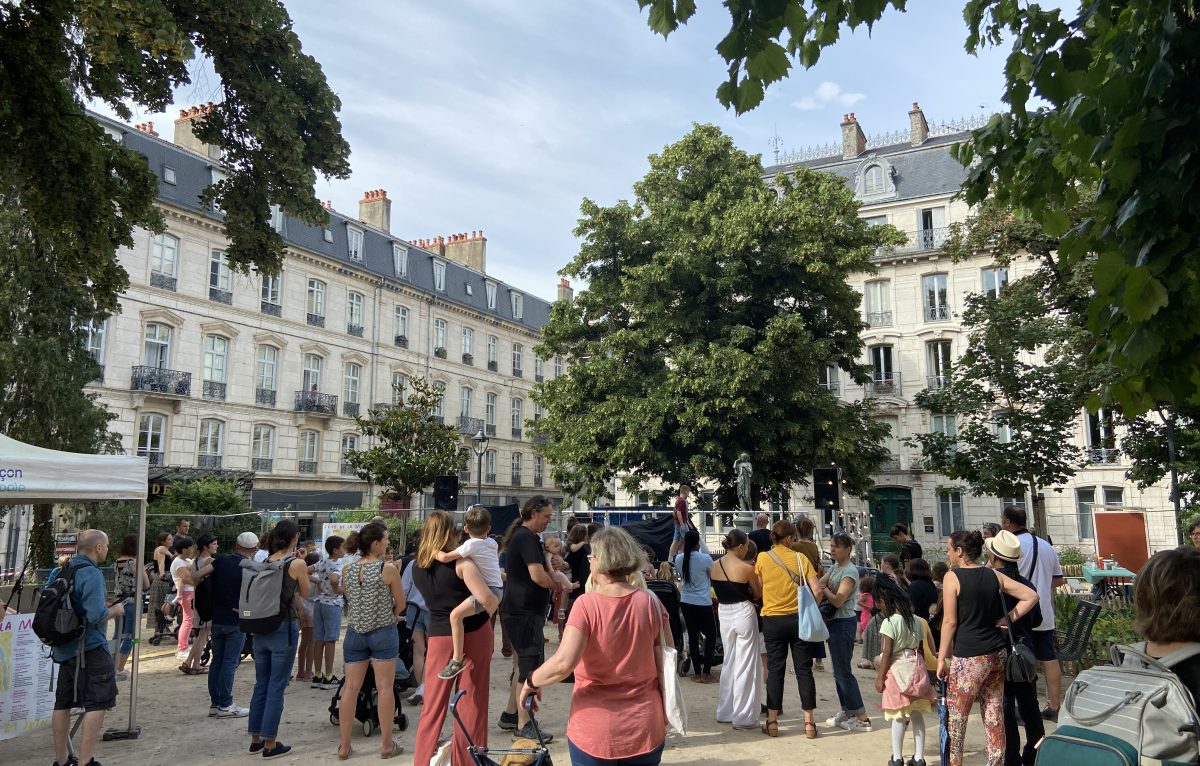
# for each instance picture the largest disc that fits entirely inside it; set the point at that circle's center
(312, 372)
(873, 182)
(516, 468)
(216, 359)
(266, 369)
(158, 346)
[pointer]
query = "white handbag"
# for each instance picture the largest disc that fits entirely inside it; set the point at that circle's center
(672, 694)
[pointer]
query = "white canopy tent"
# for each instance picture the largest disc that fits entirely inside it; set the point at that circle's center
(30, 474)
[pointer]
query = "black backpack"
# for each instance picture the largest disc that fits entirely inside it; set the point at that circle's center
(56, 621)
(203, 599)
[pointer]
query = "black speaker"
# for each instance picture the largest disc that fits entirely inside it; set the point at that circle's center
(445, 493)
(827, 490)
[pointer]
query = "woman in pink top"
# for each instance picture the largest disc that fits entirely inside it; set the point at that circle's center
(611, 644)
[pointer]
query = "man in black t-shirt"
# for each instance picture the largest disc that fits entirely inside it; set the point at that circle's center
(523, 610)
(182, 529)
(909, 548)
(761, 536)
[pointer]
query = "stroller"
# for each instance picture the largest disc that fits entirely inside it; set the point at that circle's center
(534, 756)
(668, 595)
(366, 708)
(166, 626)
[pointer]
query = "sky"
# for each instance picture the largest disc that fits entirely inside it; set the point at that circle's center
(503, 115)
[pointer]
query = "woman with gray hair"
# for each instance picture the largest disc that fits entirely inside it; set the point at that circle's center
(611, 644)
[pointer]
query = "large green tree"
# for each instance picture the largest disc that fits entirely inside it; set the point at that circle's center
(1146, 442)
(1122, 127)
(712, 308)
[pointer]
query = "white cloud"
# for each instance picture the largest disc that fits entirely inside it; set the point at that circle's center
(828, 93)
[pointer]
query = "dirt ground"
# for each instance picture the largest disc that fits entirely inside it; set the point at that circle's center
(172, 714)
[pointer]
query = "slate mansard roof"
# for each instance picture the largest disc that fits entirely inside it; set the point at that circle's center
(193, 173)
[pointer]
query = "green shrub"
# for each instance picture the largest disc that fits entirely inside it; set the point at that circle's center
(1072, 556)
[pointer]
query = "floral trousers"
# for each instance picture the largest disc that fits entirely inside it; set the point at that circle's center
(974, 678)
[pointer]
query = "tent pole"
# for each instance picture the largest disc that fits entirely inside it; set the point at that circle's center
(132, 731)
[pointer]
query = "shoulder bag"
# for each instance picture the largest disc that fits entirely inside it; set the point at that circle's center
(668, 662)
(812, 625)
(1021, 665)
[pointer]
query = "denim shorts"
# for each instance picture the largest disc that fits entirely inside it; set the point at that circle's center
(327, 622)
(417, 619)
(381, 645)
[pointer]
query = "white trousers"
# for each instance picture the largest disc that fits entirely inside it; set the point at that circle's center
(741, 672)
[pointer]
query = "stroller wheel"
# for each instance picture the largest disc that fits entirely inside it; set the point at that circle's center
(333, 719)
(368, 727)
(155, 640)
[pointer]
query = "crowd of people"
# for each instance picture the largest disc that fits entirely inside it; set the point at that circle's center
(919, 628)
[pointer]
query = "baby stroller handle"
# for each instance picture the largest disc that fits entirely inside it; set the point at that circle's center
(528, 705)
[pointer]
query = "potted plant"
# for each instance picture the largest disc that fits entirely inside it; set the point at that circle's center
(402, 341)
(468, 359)
(440, 352)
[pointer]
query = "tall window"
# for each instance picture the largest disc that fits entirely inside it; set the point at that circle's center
(316, 298)
(995, 279)
(489, 413)
(1085, 497)
(439, 276)
(271, 286)
(937, 355)
(1102, 438)
(262, 448)
(936, 297)
(158, 346)
(152, 429)
(873, 181)
(516, 467)
(877, 297)
(492, 349)
(951, 512)
(464, 404)
(216, 359)
(468, 340)
(354, 310)
(944, 424)
(881, 362)
(490, 289)
(518, 353)
(399, 387)
(558, 366)
(827, 378)
(95, 339)
(354, 240)
(517, 420)
(312, 372)
(349, 444)
(220, 276)
(518, 305)
(211, 433)
(931, 228)
(439, 411)
(400, 260)
(164, 254)
(539, 367)
(439, 333)
(537, 470)
(353, 382)
(401, 322)
(266, 365)
(310, 450)
(489, 465)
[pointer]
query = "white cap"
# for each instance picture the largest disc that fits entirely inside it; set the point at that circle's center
(247, 540)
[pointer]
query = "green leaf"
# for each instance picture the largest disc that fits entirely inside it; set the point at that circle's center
(769, 64)
(1143, 295)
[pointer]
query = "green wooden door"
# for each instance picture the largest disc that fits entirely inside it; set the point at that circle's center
(891, 505)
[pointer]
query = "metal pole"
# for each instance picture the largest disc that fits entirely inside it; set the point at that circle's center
(479, 477)
(132, 731)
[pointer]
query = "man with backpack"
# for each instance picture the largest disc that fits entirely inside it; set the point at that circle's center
(228, 640)
(86, 673)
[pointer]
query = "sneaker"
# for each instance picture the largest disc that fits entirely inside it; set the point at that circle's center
(417, 697)
(183, 655)
(212, 711)
(233, 711)
(122, 676)
(819, 665)
(256, 747)
(1049, 714)
(330, 682)
(508, 721)
(896, 762)
(528, 732)
(921, 762)
(318, 682)
(278, 751)
(837, 720)
(855, 724)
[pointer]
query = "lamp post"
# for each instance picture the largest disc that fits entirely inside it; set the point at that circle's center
(479, 447)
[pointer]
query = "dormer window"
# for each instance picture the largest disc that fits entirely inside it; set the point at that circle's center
(354, 238)
(518, 305)
(439, 276)
(873, 181)
(168, 175)
(277, 218)
(327, 233)
(491, 295)
(400, 260)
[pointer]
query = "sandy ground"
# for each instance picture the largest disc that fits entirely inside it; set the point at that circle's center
(172, 714)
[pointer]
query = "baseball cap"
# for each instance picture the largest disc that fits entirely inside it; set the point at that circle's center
(247, 540)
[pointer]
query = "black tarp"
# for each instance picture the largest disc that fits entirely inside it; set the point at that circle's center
(655, 532)
(502, 516)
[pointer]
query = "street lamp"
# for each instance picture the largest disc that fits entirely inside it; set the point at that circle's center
(479, 447)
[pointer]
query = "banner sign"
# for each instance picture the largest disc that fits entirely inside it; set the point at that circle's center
(27, 676)
(340, 528)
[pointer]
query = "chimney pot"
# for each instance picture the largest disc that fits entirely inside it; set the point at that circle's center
(918, 126)
(854, 141)
(375, 209)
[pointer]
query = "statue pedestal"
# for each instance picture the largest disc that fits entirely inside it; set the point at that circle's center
(744, 521)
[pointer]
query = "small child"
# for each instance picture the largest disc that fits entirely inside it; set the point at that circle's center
(902, 677)
(327, 614)
(484, 551)
(563, 585)
(304, 656)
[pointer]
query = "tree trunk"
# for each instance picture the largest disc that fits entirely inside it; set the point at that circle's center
(41, 537)
(1040, 525)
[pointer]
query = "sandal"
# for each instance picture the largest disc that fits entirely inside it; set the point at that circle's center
(810, 729)
(452, 669)
(345, 757)
(771, 728)
(395, 751)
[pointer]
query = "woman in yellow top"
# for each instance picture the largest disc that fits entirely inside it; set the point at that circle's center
(780, 569)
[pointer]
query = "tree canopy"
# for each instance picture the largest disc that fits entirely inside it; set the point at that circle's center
(1121, 132)
(714, 304)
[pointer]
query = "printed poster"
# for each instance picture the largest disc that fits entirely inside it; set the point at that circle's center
(341, 529)
(27, 676)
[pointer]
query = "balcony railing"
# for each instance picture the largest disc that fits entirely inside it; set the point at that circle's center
(493, 366)
(518, 372)
(541, 439)
(263, 464)
(380, 408)
(938, 313)
(538, 377)
(920, 241)
(311, 401)
(468, 425)
(537, 480)
(879, 318)
(1104, 455)
(516, 433)
(490, 430)
(890, 463)
(516, 479)
(464, 477)
(154, 457)
(217, 295)
(307, 466)
(159, 381)
(162, 281)
(937, 382)
(273, 309)
(354, 329)
(316, 320)
(832, 386)
(884, 384)
(264, 396)
(401, 341)
(347, 469)
(208, 461)
(211, 389)
(490, 478)
(350, 409)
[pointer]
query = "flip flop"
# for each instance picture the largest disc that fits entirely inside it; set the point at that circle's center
(345, 757)
(395, 751)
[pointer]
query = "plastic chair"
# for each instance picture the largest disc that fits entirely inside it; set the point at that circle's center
(1073, 642)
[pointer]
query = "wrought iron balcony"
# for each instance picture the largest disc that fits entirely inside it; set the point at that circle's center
(468, 359)
(518, 372)
(217, 295)
(537, 480)
(879, 318)
(516, 478)
(938, 313)
(937, 382)
(350, 409)
(154, 457)
(263, 464)
(311, 401)
(516, 433)
(380, 408)
(307, 466)
(890, 463)
(493, 366)
(401, 341)
(264, 396)
(541, 439)
(464, 477)
(208, 461)
(538, 377)
(211, 389)
(490, 478)
(884, 384)
(273, 309)
(354, 329)
(490, 429)
(316, 320)
(347, 469)
(159, 381)
(468, 425)
(162, 281)
(832, 386)
(1104, 455)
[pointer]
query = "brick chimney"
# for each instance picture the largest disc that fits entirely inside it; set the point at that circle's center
(185, 136)
(468, 249)
(854, 141)
(375, 209)
(565, 293)
(147, 128)
(920, 128)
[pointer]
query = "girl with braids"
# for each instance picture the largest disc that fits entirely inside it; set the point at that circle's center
(902, 636)
(696, 604)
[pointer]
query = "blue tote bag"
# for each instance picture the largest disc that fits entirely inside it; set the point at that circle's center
(812, 625)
